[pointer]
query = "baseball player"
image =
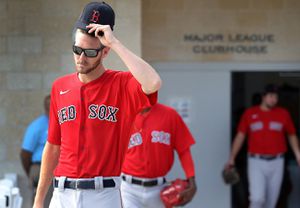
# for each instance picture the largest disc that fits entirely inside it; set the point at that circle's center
(90, 116)
(266, 125)
(33, 144)
(157, 131)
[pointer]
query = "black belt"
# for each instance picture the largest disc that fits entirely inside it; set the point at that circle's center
(84, 184)
(143, 183)
(266, 157)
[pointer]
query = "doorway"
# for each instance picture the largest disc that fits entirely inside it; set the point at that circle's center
(246, 88)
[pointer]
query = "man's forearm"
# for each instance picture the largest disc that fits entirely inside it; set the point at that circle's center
(141, 70)
(49, 162)
(293, 140)
(26, 160)
(237, 145)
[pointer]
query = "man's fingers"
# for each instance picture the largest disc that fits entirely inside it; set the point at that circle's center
(99, 30)
(97, 26)
(229, 165)
(92, 30)
(93, 25)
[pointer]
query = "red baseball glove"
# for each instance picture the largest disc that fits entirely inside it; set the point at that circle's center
(170, 195)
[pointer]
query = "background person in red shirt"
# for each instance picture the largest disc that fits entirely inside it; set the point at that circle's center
(156, 133)
(90, 116)
(266, 126)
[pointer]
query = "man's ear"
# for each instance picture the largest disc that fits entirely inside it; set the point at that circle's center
(105, 51)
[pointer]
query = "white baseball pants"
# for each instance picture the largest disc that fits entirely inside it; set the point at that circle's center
(136, 196)
(87, 198)
(265, 179)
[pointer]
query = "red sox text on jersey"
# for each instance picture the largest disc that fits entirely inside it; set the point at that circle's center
(157, 137)
(101, 112)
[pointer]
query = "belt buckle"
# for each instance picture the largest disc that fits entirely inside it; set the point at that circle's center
(76, 184)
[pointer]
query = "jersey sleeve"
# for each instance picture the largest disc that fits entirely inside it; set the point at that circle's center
(187, 163)
(289, 125)
(183, 137)
(243, 124)
(54, 134)
(135, 96)
(30, 139)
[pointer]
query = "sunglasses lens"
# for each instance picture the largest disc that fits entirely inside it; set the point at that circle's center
(77, 50)
(91, 53)
(87, 52)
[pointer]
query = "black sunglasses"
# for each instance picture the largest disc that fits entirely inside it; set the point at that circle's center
(87, 52)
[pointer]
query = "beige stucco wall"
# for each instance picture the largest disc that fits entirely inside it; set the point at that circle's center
(35, 48)
(166, 22)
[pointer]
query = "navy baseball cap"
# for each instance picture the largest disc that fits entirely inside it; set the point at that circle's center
(98, 13)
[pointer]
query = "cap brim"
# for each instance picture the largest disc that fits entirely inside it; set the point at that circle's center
(81, 25)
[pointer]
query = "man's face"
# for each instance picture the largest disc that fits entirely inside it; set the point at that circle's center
(270, 100)
(84, 64)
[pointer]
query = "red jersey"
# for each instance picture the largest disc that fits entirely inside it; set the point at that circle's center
(155, 135)
(91, 122)
(266, 129)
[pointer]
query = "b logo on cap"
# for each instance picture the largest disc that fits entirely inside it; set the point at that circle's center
(95, 17)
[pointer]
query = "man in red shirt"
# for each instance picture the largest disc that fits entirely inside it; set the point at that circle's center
(266, 126)
(156, 132)
(90, 116)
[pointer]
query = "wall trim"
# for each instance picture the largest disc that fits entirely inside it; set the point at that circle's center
(226, 66)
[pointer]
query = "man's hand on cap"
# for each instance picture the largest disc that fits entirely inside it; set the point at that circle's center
(103, 32)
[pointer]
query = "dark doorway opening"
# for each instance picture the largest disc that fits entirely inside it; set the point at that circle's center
(246, 90)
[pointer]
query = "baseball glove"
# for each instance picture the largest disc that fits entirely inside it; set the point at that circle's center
(170, 195)
(230, 176)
